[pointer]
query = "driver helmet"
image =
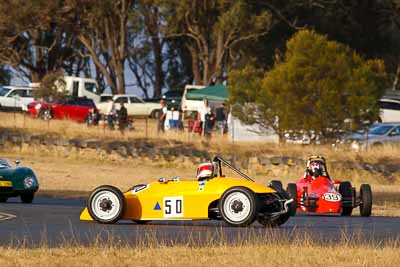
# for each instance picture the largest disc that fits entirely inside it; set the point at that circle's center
(205, 171)
(315, 169)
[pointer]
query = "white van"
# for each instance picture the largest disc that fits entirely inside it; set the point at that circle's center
(15, 97)
(188, 105)
(82, 87)
(389, 110)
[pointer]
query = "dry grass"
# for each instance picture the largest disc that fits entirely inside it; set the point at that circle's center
(306, 254)
(217, 144)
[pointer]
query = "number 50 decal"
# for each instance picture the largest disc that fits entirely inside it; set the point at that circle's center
(173, 206)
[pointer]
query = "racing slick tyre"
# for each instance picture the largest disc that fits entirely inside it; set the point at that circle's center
(276, 184)
(3, 199)
(346, 190)
(279, 220)
(292, 191)
(238, 206)
(27, 197)
(106, 204)
(365, 200)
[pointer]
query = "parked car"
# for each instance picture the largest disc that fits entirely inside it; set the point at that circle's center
(71, 108)
(389, 110)
(15, 97)
(173, 99)
(135, 106)
(378, 135)
(18, 181)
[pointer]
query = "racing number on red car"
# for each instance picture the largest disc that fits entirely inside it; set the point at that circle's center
(331, 197)
(173, 206)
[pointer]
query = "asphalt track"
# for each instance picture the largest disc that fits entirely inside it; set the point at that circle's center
(55, 222)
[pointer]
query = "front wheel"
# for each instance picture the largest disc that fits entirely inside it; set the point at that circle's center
(238, 206)
(346, 190)
(292, 191)
(27, 197)
(365, 200)
(106, 204)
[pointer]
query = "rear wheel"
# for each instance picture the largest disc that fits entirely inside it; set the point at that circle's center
(155, 114)
(106, 204)
(238, 206)
(346, 190)
(3, 199)
(292, 191)
(280, 219)
(365, 200)
(27, 197)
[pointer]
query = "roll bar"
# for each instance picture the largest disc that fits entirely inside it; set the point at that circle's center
(220, 160)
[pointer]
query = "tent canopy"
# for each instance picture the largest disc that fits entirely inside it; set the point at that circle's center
(215, 92)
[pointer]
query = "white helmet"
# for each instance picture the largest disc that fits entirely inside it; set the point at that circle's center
(205, 170)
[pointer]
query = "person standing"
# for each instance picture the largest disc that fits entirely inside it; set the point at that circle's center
(202, 112)
(122, 118)
(220, 114)
(162, 116)
(111, 112)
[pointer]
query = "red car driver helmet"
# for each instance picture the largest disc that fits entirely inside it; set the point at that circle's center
(315, 169)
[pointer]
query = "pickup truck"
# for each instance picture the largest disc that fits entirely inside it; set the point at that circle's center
(134, 105)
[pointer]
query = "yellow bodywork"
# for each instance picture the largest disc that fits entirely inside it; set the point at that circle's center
(184, 200)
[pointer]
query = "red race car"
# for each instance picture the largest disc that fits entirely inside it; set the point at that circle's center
(317, 192)
(74, 108)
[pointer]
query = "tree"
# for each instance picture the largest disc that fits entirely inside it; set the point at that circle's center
(5, 75)
(34, 39)
(101, 27)
(52, 87)
(317, 85)
(212, 29)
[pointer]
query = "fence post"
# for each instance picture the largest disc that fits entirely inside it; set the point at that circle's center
(146, 128)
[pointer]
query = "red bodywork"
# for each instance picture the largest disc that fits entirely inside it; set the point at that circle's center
(70, 110)
(318, 195)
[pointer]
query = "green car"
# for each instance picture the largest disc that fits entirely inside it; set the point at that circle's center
(18, 181)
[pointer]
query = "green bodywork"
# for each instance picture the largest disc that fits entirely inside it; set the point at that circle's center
(17, 177)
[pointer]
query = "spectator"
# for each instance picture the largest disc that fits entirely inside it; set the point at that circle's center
(93, 117)
(162, 117)
(176, 117)
(122, 118)
(221, 118)
(209, 123)
(205, 109)
(111, 112)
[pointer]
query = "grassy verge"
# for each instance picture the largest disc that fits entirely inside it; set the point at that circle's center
(305, 253)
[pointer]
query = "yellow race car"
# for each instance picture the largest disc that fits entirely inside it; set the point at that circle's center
(237, 201)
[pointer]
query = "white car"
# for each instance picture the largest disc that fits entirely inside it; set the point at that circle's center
(133, 104)
(15, 97)
(389, 110)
